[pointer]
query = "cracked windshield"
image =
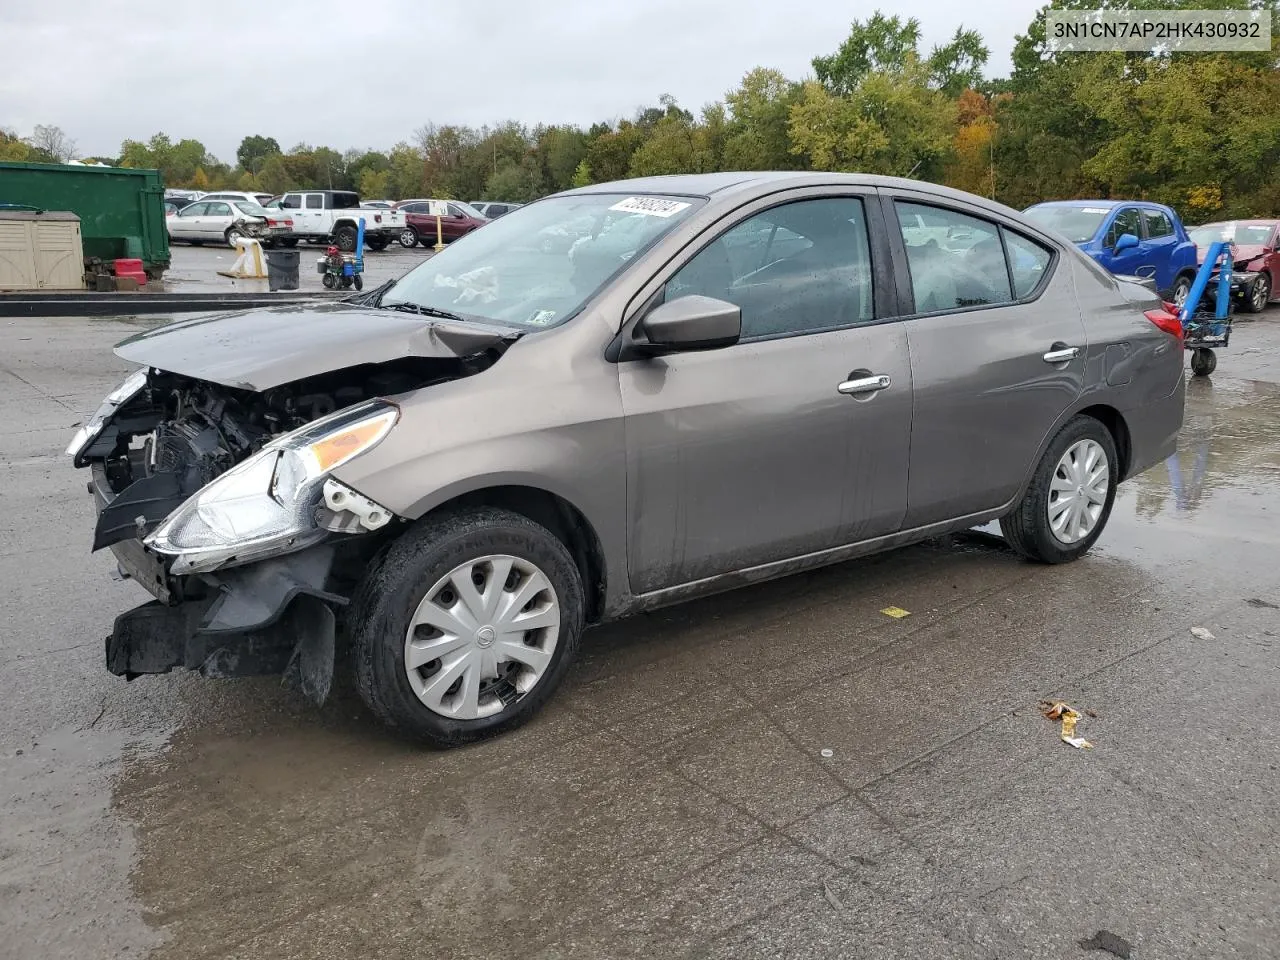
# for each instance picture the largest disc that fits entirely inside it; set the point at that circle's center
(538, 265)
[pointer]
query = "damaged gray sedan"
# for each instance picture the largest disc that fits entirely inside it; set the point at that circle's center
(733, 377)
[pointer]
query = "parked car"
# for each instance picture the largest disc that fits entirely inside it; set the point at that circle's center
(469, 464)
(173, 204)
(492, 209)
(224, 221)
(420, 225)
(259, 198)
(381, 204)
(188, 195)
(332, 216)
(1255, 270)
(1128, 237)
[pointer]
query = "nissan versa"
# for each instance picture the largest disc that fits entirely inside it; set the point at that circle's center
(734, 377)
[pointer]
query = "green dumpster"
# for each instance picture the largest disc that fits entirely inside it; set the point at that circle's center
(121, 211)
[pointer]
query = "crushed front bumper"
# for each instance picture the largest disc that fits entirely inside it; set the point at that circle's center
(271, 617)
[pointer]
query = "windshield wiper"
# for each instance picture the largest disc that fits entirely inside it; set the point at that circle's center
(405, 306)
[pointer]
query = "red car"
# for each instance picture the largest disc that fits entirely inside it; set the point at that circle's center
(420, 225)
(1255, 273)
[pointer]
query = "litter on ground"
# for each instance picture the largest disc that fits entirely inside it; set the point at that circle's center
(1200, 633)
(1057, 710)
(896, 612)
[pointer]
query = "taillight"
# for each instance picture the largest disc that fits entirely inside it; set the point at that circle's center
(1167, 320)
(377, 218)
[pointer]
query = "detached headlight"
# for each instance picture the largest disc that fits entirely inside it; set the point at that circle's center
(268, 504)
(131, 387)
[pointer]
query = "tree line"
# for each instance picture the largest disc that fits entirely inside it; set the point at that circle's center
(1199, 131)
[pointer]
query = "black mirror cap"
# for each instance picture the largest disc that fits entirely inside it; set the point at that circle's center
(690, 323)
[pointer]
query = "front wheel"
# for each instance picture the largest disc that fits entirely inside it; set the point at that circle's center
(1066, 506)
(1203, 361)
(358, 281)
(378, 243)
(1259, 294)
(466, 626)
(329, 281)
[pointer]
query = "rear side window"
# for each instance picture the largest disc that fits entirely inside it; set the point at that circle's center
(219, 210)
(1028, 262)
(797, 268)
(955, 260)
(1158, 224)
(315, 201)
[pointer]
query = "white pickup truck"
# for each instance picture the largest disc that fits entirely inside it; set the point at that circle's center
(333, 216)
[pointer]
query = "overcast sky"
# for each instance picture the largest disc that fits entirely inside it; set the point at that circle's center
(366, 73)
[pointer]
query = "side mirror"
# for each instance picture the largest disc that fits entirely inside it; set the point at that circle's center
(1126, 241)
(690, 323)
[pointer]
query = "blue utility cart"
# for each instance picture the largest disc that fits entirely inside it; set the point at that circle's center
(1206, 328)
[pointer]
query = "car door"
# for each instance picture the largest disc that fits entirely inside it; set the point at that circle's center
(185, 224)
(1134, 262)
(1160, 240)
(998, 354)
(794, 440)
(216, 221)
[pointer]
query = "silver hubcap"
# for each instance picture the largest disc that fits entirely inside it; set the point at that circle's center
(1078, 491)
(1261, 293)
(482, 637)
(408, 238)
(1181, 292)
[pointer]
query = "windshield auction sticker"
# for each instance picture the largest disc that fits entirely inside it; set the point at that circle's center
(1157, 31)
(650, 206)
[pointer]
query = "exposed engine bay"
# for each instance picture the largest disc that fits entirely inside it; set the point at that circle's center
(179, 433)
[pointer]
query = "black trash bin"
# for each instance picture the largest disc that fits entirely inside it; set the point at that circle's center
(282, 269)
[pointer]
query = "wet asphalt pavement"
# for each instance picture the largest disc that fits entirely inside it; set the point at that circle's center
(196, 269)
(674, 799)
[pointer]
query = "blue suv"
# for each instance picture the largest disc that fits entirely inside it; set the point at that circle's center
(1129, 237)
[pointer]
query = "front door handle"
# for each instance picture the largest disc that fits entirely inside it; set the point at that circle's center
(865, 385)
(1061, 354)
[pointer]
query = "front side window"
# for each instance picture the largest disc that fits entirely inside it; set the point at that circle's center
(1126, 221)
(291, 201)
(537, 266)
(797, 268)
(194, 210)
(955, 260)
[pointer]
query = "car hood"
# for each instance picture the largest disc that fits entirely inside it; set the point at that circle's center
(1244, 252)
(260, 349)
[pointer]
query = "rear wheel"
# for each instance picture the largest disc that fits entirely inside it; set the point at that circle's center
(234, 234)
(289, 242)
(1181, 290)
(466, 625)
(345, 239)
(358, 281)
(1259, 294)
(378, 243)
(329, 281)
(1068, 502)
(408, 237)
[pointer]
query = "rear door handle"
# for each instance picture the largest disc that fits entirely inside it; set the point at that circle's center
(864, 385)
(1061, 354)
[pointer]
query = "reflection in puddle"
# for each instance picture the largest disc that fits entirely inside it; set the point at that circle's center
(1230, 441)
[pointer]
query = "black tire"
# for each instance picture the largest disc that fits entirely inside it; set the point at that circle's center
(408, 238)
(1259, 295)
(196, 243)
(378, 244)
(345, 239)
(1027, 528)
(1203, 361)
(358, 281)
(329, 281)
(346, 283)
(1181, 288)
(391, 591)
(290, 242)
(231, 233)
